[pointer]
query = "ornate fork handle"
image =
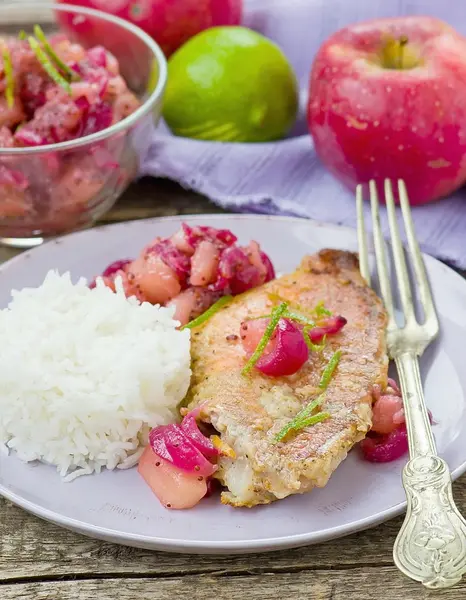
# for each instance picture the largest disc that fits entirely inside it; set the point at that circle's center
(431, 545)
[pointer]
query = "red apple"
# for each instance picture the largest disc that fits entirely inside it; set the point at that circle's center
(169, 22)
(388, 100)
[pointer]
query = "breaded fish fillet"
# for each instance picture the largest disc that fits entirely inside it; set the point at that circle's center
(248, 411)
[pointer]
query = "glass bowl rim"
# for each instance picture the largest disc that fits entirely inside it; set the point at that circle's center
(127, 122)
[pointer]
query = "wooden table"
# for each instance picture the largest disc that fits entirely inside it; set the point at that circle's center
(39, 561)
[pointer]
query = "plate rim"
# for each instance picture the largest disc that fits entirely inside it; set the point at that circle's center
(156, 543)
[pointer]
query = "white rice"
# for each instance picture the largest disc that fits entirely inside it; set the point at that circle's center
(84, 375)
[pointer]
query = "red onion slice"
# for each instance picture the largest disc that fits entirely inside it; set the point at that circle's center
(385, 448)
(236, 267)
(223, 238)
(199, 440)
(98, 56)
(329, 326)
(114, 267)
(270, 271)
(98, 117)
(170, 443)
(28, 137)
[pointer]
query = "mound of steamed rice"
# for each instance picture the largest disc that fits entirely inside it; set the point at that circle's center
(85, 374)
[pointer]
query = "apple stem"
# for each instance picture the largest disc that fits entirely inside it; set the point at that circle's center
(402, 41)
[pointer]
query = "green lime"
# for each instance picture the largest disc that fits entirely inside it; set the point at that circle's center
(230, 84)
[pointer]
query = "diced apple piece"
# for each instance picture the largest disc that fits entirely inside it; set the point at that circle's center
(204, 264)
(174, 488)
(156, 280)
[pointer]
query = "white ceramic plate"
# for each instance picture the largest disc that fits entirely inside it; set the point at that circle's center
(119, 507)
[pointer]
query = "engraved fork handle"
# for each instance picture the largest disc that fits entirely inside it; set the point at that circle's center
(431, 545)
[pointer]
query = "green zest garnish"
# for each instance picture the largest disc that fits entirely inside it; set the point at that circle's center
(288, 314)
(10, 80)
(210, 312)
(313, 347)
(294, 316)
(304, 418)
(321, 311)
(318, 418)
(22, 35)
(276, 315)
(40, 35)
(48, 66)
(299, 314)
(329, 369)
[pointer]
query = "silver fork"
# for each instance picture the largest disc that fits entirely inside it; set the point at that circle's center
(431, 545)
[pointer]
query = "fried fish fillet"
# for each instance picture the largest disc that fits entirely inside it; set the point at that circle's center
(248, 411)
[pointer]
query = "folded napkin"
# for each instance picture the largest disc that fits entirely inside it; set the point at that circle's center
(286, 177)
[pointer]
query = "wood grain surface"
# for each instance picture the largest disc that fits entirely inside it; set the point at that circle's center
(40, 561)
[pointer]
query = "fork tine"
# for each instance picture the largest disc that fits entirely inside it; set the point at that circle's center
(380, 254)
(362, 237)
(425, 292)
(402, 276)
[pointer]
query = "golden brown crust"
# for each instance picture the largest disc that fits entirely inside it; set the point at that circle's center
(249, 411)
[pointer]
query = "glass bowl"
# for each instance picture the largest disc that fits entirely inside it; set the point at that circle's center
(50, 190)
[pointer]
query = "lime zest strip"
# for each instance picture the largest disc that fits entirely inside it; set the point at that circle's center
(9, 76)
(48, 66)
(294, 316)
(275, 317)
(303, 416)
(298, 313)
(40, 35)
(286, 315)
(314, 419)
(329, 369)
(309, 343)
(321, 311)
(210, 312)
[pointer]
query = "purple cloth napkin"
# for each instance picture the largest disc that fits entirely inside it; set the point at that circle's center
(287, 177)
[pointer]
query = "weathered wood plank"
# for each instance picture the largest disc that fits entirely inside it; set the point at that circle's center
(7, 253)
(30, 547)
(360, 584)
(158, 197)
